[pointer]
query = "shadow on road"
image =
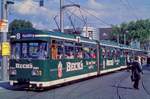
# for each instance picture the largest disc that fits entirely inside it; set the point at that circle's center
(122, 87)
(6, 85)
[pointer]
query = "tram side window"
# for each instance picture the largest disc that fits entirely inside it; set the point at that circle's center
(125, 53)
(103, 51)
(42, 51)
(93, 52)
(89, 51)
(33, 49)
(60, 52)
(118, 52)
(121, 53)
(57, 49)
(78, 51)
(114, 53)
(111, 52)
(54, 49)
(108, 52)
(16, 51)
(24, 50)
(38, 50)
(69, 50)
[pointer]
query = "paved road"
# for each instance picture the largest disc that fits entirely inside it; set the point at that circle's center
(112, 86)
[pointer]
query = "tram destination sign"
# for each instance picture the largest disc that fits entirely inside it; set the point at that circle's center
(20, 35)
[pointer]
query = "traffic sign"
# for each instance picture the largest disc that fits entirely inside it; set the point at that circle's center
(3, 25)
(0, 48)
(5, 49)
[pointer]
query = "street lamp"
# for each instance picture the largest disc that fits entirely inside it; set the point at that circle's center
(41, 3)
(62, 7)
(118, 38)
(5, 43)
(126, 32)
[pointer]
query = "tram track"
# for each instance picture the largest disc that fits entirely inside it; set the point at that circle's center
(72, 94)
(145, 88)
(119, 96)
(26, 96)
(27, 93)
(143, 85)
(82, 94)
(93, 90)
(74, 89)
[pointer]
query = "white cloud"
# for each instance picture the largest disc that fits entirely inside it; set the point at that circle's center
(94, 4)
(30, 10)
(26, 7)
(110, 11)
(40, 25)
(30, 7)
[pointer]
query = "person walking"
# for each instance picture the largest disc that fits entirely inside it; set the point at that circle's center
(128, 63)
(136, 73)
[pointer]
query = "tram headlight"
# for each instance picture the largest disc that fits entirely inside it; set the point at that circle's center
(36, 72)
(12, 72)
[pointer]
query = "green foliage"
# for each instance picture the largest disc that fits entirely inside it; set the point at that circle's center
(20, 24)
(137, 30)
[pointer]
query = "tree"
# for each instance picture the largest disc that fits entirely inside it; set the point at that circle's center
(119, 31)
(20, 24)
(137, 30)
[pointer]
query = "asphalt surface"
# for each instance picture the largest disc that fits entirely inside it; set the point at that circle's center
(112, 86)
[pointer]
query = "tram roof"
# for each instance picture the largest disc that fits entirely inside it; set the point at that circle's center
(46, 34)
(108, 43)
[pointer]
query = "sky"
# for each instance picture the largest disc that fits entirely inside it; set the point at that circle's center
(96, 13)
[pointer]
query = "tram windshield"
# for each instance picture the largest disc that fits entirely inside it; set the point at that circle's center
(29, 50)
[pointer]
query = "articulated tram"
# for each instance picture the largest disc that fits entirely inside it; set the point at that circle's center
(44, 58)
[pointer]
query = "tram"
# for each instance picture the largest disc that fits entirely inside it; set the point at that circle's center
(44, 58)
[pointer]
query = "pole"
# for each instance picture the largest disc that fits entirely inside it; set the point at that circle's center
(61, 16)
(4, 39)
(124, 38)
(118, 39)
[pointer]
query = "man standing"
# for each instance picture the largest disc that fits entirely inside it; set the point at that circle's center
(128, 62)
(136, 70)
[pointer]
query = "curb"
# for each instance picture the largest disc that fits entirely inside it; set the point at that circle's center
(4, 81)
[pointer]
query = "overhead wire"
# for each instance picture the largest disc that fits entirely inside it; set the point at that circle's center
(102, 21)
(128, 7)
(85, 10)
(70, 19)
(77, 17)
(132, 7)
(80, 18)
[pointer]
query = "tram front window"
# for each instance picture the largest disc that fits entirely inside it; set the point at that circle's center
(32, 50)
